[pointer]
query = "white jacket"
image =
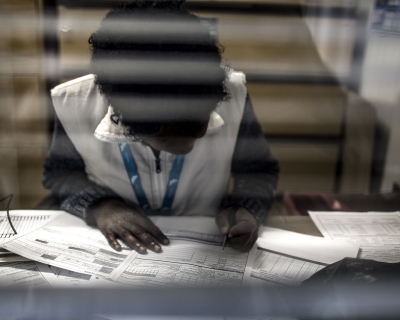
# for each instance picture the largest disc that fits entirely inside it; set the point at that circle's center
(206, 171)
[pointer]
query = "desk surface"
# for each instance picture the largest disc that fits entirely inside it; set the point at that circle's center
(300, 224)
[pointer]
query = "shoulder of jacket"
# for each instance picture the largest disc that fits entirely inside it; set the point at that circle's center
(236, 83)
(75, 86)
(236, 77)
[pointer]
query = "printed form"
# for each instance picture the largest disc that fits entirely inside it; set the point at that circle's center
(67, 242)
(62, 278)
(196, 259)
(289, 258)
(22, 221)
(195, 265)
(377, 233)
(29, 274)
(21, 274)
(197, 229)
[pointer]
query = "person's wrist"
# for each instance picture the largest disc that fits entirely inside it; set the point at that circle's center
(104, 204)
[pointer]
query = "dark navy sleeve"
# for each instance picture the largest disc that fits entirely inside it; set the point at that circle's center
(254, 169)
(65, 176)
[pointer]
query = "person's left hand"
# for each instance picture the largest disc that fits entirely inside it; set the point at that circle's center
(243, 233)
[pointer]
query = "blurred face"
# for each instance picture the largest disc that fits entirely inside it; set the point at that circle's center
(175, 143)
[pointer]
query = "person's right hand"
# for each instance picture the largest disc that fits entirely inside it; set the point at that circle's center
(115, 219)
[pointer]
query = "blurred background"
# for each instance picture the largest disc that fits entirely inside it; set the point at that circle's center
(323, 76)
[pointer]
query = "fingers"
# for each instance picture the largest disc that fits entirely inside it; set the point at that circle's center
(242, 234)
(109, 234)
(222, 221)
(157, 234)
(127, 237)
(137, 231)
(130, 240)
(242, 227)
(243, 242)
(148, 225)
(145, 238)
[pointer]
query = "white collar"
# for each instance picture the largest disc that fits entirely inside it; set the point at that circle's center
(109, 131)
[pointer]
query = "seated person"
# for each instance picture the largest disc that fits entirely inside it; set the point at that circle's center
(158, 129)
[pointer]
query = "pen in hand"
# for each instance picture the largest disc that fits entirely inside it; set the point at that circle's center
(231, 220)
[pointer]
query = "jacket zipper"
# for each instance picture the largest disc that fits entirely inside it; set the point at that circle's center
(157, 177)
(158, 164)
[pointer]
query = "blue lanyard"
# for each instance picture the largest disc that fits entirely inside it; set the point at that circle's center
(136, 183)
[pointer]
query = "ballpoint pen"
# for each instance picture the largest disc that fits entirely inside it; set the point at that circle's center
(231, 219)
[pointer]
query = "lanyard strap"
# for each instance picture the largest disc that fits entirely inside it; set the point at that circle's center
(136, 183)
(172, 184)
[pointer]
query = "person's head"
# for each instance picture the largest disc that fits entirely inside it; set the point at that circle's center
(160, 68)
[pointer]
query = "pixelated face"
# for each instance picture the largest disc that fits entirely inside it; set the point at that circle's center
(173, 143)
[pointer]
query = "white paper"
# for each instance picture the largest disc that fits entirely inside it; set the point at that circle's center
(197, 229)
(305, 246)
(194, 258)
(289, 258)
(23, 220)
(12, 258)
(68, 243)
(377, 233)
(34, 274)
(62, 278)
(21, 274)
(192, 223)
(196, 264)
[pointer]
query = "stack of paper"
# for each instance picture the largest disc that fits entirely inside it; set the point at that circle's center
(193, 258)
(377, 233)
(67, 252)
(22, 220)
(289, 258)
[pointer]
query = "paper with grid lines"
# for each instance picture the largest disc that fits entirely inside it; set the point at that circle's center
(377, 233)
(22, 221)
(194, 264)
(67, 242)
(288, 258)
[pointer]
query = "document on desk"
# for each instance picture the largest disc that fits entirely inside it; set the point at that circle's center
(62, 278)
(29, 274)
(181, 265)
(377, 233)
(194, 229)
(289, 258)
(22, 221)
(68, 243)
(195, 259)
(21, 275)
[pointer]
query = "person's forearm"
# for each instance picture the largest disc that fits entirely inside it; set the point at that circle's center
(254, 169)
(65, 176)
(254, 192)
